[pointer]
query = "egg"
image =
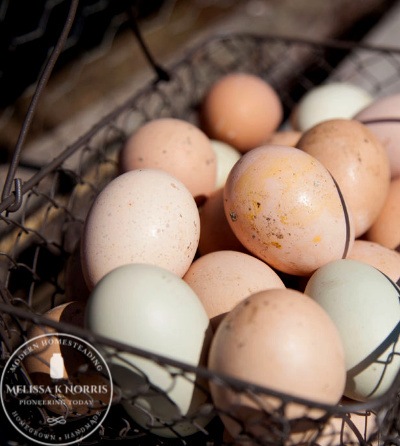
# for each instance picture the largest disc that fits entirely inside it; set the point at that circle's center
(385, 229)
(38, 365)
(285, 208)
(226, 156)
(242, 110)
(222, 279)
(329, 101)
(285, 138)
(364, 305)
(281, 340)
(385, 259)
(382, 117)
(152, 309)
(215, 232)
(141, 216)
(70, 312)
(358, 162)
(176, 146)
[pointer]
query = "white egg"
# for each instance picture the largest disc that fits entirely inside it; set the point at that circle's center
(227, 156)
(364, 305)
(330, 101)
(150, 308)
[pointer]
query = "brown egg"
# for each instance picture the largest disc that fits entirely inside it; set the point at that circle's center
(285, 208)
(242, 110)
(386, 229)
(281, 340)
(222, 279)
(70, 312)
(385, 259)
(382, 117)
(358, 162)
(177, 147)
(75, 284)
(285, 138)
(215, 232)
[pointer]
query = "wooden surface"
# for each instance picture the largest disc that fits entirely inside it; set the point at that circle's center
(79, 95)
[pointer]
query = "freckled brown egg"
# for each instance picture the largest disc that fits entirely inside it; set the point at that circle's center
(141, 216)
(285, 208)
(358, 162)
(222, 279)
(242, 110)
(385, 259)
(215, 232)
(386, 229)
(176, 146)
(281, 340)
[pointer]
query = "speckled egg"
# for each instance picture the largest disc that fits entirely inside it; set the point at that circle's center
(358, 162)
(286, 209)
(142, 216)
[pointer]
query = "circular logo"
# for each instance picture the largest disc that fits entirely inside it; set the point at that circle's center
(56, 389)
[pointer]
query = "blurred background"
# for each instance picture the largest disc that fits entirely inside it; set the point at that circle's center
(102, 63)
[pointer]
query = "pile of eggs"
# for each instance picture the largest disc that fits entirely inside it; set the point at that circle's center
(261, 253)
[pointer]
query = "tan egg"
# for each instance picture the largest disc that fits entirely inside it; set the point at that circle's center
(382, 117)
(285, 208)
(215, 232)
(227, 156)
(357, 161)
(285, 138)
(177, 147)
(222, 279)
(242, 110)
(141, 216)
(39, 364)
(385, 229)
(385, 259)
(283, 341)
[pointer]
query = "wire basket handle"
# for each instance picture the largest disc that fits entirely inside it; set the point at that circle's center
(162, 75)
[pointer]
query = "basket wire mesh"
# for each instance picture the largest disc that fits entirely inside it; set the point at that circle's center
(39, 242)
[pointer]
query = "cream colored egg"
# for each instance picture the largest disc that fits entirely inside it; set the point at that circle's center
(142, 216)
(222, 279)
(226, 159)
(285, 208)
(176, 146)
(330, 101)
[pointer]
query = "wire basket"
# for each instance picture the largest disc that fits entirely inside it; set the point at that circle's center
(39, 243)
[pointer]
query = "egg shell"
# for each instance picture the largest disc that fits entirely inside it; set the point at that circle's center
(387, 109)
(285, 138)
(330, 101)
(282, 340)
(364, 305)
(222, 279)
(285, 208)
(385, 229)
(242, 110)
(226, 156)
(176, 146)
(142, 216)
(215, 231)
(70, 312)
(152, 309)
(358, 162)
(385, 259)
